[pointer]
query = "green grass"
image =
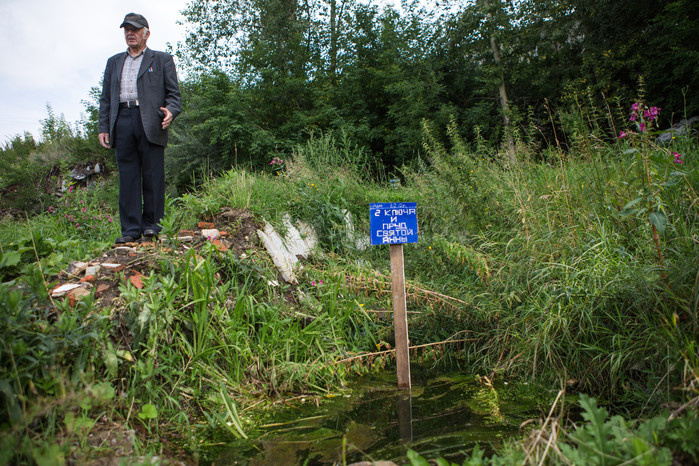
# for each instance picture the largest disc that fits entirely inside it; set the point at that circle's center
(535, 266)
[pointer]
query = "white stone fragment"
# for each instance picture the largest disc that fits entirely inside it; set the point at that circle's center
(110, 265)
(294, 240)
(282, 258)
(211, 234)
(92, 270)
(309, 235)
(76, 267)
(79, 293)
(299, 242)
(63, 290)
(361, 242)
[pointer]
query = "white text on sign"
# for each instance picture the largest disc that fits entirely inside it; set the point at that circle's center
(394, 212)
(393, 223)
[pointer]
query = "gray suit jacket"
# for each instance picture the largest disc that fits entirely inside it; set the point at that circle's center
(157, 87)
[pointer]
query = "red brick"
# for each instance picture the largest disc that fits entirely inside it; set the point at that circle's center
(219, 245)
(136, 280)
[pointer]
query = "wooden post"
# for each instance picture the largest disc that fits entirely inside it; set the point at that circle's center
(400, 316)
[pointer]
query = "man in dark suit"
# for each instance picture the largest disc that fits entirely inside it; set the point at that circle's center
(140, 98)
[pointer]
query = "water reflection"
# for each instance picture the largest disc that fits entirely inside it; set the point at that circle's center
(405, 415)
(442, 416)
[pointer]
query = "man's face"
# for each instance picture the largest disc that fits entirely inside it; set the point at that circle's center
(136, 38)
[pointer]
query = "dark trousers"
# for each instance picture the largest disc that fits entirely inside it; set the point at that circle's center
(141, 175)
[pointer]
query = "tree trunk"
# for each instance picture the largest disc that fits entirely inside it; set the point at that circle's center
(504, 104)
(333, 37)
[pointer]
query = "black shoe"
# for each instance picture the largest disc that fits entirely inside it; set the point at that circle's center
(150, 234)
(125, 239)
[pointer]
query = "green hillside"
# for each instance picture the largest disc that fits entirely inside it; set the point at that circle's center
(579, 273)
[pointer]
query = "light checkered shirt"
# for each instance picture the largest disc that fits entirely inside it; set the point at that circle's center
(129, 74)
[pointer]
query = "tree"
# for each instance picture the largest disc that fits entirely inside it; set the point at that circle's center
(54, 128)
(478, 33)
(217, 31)
(494, 9)
(303, 66)
(217, 130)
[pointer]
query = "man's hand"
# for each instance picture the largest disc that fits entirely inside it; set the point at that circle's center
(104, 140)
(168, 117)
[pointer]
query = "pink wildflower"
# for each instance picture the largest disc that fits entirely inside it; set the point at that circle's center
(622, 134)
(652, 113)
(678, 158)
(642, 127)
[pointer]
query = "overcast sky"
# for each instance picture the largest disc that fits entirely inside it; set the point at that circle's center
(55, 51)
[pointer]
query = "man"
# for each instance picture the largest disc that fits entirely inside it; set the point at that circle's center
(140, 98)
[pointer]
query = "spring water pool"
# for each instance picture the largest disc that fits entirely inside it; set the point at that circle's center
(443, 415)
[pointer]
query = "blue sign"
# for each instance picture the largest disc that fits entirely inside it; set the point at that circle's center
(393, 223)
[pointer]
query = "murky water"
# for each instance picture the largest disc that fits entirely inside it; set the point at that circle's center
(442, 416)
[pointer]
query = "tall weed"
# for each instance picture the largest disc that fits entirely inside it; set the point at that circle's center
(573, 287)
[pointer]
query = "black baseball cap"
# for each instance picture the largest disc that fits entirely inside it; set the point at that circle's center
(135, 20)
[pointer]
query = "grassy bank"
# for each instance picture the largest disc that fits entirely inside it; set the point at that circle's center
(577, 271)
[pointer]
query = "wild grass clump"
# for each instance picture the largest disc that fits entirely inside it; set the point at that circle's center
(557, 264)
(323, 183)
(584, 267)
(207, 332)
(455, 188)
(32, 172)
(598, 439)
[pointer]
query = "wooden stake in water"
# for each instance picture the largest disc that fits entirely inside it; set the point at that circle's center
(400, 316)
